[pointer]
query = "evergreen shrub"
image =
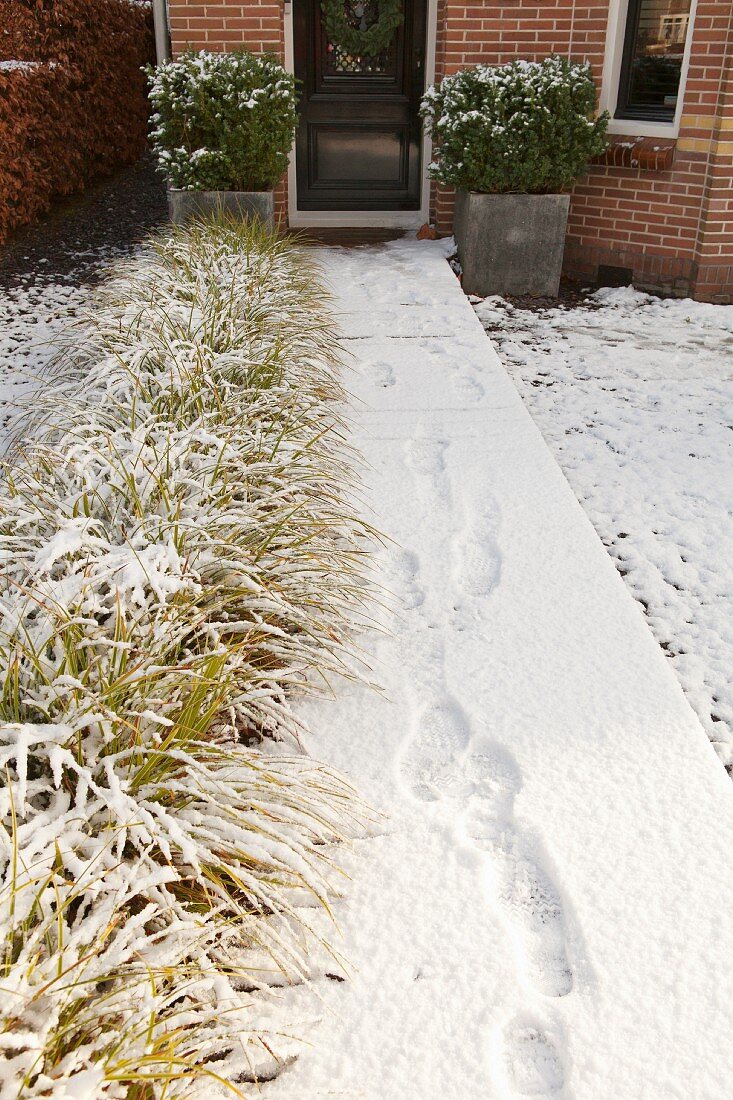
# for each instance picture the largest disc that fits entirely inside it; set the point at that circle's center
(527, 126)
(222, 122)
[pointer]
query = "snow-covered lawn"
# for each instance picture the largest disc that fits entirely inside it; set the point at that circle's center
(635, 398)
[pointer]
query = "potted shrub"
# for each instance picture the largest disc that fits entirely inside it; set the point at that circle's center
(512, 139)
(222, 128)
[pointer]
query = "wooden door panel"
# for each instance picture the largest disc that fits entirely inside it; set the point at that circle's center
(359, 140)
(372, 154)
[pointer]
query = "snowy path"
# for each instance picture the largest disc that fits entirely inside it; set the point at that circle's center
(548, 909)
(635, 400)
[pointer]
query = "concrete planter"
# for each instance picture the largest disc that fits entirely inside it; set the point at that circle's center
(510, 244)
(184, 205)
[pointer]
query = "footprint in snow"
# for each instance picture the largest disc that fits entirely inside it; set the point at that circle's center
(468, 389)
(425, 456)
(431, 766)
(480, 566)
(479, 570)
(380, 373)
(495, 780)
(525, 891)
(402, 575)
(534, 909)
(533, 1065)
(442, 763)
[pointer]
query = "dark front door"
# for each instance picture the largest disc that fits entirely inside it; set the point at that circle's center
(359, 140)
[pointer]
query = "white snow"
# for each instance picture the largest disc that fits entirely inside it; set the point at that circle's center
(547, 909)
(32, 317)
(635, 400)
(22, 66)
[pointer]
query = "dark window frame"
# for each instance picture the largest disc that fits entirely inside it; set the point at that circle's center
(624, 109)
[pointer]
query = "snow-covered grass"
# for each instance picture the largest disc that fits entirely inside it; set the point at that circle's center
(180, 555)
(634, 395)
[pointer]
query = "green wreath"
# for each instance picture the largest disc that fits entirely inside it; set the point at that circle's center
(353, 40)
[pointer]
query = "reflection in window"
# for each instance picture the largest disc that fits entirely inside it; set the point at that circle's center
(656, 32)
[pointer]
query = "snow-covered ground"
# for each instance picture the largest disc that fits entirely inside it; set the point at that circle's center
(547, 908)
(31, 318)
(635, 400)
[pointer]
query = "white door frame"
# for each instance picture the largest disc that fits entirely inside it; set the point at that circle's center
(371, 219)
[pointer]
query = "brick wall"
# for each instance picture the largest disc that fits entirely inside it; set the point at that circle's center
(671, 227)
(223, 25)
(714, 128)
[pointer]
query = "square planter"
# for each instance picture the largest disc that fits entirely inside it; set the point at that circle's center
(510, 244)
(184, 205)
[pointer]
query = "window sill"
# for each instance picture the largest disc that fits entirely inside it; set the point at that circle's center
(648, 154)
(643, 128)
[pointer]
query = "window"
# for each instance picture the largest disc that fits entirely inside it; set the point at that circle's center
(651, 64)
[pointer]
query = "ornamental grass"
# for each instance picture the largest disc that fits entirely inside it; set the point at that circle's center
(182, 555)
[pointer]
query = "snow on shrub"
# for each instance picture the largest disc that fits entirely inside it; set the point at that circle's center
(527, 126)
(222, 121)
(179, 555)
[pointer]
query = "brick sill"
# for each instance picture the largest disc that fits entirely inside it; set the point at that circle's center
(648, 154)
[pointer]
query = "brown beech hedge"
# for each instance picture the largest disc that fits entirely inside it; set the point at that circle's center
(78, 107)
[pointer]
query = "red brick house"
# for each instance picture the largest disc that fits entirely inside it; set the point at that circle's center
(659, 206)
